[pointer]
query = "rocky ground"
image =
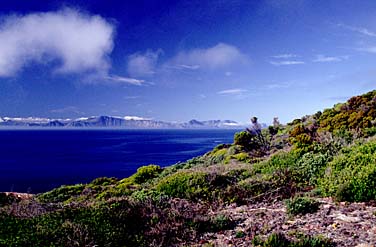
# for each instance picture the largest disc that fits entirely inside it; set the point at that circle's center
(22, 196)
(347, 224)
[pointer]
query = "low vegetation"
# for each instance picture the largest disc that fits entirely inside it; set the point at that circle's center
(280, 240)
(327, 154)
(301, 205)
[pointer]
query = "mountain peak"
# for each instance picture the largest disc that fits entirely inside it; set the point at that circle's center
(127, 122)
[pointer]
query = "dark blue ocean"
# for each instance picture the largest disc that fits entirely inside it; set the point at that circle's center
(39, 160)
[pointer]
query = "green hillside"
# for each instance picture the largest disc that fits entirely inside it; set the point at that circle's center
(327, 154)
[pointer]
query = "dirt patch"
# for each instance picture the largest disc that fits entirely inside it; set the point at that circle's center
(347, 224)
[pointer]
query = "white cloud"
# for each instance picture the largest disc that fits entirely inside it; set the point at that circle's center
(127, 80)
(78, 42)
(288, 62)
(327, 59)
(190, 67)
(234, 91)
(285, 56)
(360, 30)
(143, 64)
(218, 56)
(170, 65)
(135, 118)
(370, 49)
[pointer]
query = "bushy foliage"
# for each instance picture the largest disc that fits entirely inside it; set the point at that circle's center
(103, 181)
(301, 205)
(358, 112)
(145, 195)
(311, 166)
(243, 138)
(369, 131)
(221, 222)
(277, 239)
(253, 140)
(145, 173)
(182, 165)
(62, 193)
(191, 185)
(346, 121)
(118, 224)
(123, 188)
(351, 176)
(212, 224)
(242, 157)
(279, 184)
(112, 223)
(278, 161)
(218, 156)
(280, 240)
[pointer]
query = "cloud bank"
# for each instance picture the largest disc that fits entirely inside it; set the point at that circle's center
(328, 59)
(126, 80)
(288, 62)
(77, 42)
(370, 49)
(360, 30)
(234, 91)
(285, 56)
(143, 64)
(218, 56)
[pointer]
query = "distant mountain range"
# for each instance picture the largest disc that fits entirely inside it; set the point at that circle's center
(128, 122)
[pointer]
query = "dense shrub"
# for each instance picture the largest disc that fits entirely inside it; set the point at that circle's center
(301, 205)
(253, 140)
(147, 195)
(351, 176)
(274, 240)
(357, 113)
(278, 161)
(103, 181)
(221, 146)
(145, 173)
(212, 224)
(189, 185)
(347, 136)
(62, 193)
(279, 184)
(124, 188)
(370, 131)
(193, 185)
(243, 157)
(243, 138)
(312, 166)
(217, 156)
(118, 224)
(112, 223)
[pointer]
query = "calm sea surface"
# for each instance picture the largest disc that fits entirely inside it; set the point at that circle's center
(39, 160)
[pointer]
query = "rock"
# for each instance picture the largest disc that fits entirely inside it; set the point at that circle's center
(349, 219)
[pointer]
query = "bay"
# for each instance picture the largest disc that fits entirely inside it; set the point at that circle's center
(35, 161)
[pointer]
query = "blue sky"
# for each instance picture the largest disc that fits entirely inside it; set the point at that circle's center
(179, 60)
